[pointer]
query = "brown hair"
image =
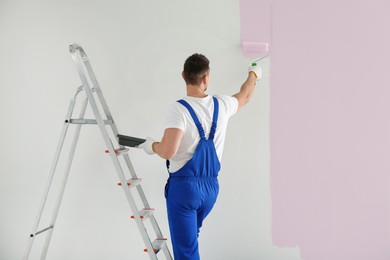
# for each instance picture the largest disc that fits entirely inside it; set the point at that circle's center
(195, 68)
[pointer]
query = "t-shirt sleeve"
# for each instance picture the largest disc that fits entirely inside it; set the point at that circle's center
(174, 117)
(230, 104)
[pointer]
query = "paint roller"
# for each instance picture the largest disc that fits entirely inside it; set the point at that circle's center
(255, 50)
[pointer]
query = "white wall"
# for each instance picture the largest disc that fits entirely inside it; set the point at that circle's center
(137, 49)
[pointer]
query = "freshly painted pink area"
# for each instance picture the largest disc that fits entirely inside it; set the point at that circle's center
(255, 27)
(330, 127)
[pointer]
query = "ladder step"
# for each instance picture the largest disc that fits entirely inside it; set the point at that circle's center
(145, 213)
(133, 182)
(157, 245)
(41, 231)
(87, 121)
(119, 151)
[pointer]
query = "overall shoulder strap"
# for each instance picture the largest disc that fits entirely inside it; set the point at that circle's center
(215, 119)
(194, 117)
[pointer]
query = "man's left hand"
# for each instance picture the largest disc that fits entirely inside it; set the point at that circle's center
(148, 145)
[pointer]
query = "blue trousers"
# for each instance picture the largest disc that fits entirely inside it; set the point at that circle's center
(189, 201)
(192, 191)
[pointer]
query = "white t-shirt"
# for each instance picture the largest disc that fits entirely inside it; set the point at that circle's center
(178, 116)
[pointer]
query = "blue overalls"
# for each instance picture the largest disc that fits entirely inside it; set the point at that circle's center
(192, 191)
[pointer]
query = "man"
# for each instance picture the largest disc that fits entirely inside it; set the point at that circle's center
(192, 145)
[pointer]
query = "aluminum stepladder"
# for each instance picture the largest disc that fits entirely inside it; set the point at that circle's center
(92, 89)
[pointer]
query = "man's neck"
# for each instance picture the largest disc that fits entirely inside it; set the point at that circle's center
(196, 91)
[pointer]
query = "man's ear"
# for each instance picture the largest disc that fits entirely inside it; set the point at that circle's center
(205, 79)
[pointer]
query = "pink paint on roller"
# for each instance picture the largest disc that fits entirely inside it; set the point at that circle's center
(255, 49)
(255, 16)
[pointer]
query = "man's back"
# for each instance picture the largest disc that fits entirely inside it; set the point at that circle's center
(179, 117)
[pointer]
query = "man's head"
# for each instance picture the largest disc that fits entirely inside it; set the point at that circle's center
(196, 69)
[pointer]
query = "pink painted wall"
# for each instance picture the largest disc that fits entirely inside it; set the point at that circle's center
(255, 26)
(330, 127)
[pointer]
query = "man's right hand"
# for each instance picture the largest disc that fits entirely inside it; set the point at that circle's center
(256, 69)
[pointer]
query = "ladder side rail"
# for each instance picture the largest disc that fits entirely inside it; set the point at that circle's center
(122, 178)
(95, 83)
(156, 227)
(145, 202)
(132, 203)
(64, 181)
(78, 60)
(87, 65)
(85, 60)
(99, 93)
(167, 253)
(142, 194)
(51, 173)
(134, 175)
(143, 198)
(140, 190)
(113, 156)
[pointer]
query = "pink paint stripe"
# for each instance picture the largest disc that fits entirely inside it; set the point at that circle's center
(255, 16)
